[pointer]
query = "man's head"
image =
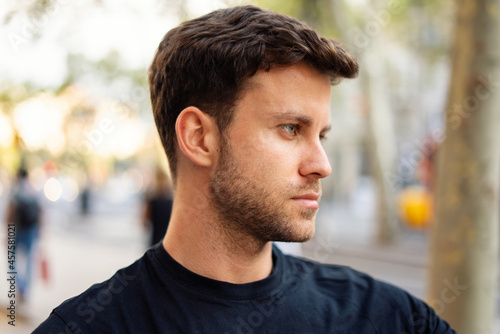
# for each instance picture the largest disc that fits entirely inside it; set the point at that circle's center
(207, 63)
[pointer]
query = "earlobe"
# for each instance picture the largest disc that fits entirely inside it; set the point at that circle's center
(197, 136)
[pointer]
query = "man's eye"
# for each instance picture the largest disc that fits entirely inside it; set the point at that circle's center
(291, 128)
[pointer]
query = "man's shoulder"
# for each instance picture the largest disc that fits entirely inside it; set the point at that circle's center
(358, 293)
(328, 272)
(345, 279)
(103, 302)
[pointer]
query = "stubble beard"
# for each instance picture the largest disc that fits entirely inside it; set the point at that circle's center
(247, 208)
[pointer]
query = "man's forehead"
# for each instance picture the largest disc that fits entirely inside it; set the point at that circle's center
(297, 93)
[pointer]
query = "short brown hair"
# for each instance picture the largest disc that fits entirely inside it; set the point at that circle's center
(204, 63)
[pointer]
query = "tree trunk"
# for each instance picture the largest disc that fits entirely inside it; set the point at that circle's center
(381, 142)
(463, 272)
(380, 135)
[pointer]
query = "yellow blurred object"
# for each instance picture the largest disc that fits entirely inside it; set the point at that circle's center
(10, 158)
(415, 207)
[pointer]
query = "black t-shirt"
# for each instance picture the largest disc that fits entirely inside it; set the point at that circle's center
(158, 295)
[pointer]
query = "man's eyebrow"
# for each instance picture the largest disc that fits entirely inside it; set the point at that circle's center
(326, 128)
(298, 117)
(292, 115)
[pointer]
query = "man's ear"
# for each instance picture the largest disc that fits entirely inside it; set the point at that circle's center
(197, 136)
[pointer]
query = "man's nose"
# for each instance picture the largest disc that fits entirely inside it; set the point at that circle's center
(315, 161)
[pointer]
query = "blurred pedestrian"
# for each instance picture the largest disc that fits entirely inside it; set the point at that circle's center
(158, 206)
(84, 201)
(427, 164)
(24, 212)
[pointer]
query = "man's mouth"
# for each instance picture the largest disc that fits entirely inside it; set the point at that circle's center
(309, 200)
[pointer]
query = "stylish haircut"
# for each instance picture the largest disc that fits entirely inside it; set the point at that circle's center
(205, 63)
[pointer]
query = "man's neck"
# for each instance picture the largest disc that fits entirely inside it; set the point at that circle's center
(198, 242)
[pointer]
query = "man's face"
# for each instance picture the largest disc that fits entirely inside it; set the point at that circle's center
(266, 184)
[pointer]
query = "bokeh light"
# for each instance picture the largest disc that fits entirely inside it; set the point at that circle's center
(39, 123)
(50, 168)
(98, 171)
(52, 189)
(70, 189)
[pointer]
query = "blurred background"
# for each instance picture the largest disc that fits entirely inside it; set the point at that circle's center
(75, 114)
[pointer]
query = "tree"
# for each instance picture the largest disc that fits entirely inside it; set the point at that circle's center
(380, 139)
(463, 284)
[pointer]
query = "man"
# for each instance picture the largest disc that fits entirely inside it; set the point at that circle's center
(241, 99)
(158, 207)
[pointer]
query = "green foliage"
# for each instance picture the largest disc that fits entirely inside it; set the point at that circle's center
(317, 13)
(289, 7)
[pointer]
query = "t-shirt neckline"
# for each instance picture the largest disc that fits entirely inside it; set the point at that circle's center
(215, 288)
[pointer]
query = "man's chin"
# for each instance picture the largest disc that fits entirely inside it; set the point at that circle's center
(309, 214)
(294, 239)
(305, 233)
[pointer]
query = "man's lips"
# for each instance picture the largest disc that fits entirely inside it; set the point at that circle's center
(309, 200)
